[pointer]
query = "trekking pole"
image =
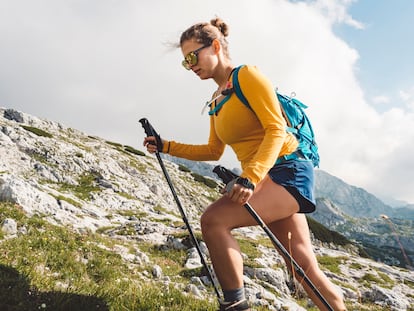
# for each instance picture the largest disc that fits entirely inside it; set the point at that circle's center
(226, 176)
(149, 130)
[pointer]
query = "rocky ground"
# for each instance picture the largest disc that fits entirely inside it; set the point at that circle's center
(88, 183)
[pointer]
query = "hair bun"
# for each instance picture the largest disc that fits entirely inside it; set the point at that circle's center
(221, 25)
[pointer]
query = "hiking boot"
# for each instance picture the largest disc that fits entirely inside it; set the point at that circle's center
(241, 305)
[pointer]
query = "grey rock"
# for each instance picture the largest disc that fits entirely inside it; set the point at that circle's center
(9, 227)
(13, 115)
(156, 272)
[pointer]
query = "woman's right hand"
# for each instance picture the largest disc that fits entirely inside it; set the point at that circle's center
(236, 192)
(150, 142)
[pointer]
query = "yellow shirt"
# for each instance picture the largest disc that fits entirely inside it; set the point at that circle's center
(258, 138)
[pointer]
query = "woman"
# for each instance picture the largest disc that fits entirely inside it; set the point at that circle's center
(280, 193)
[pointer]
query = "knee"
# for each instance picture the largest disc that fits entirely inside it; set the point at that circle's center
(212, 225)
(206, 222)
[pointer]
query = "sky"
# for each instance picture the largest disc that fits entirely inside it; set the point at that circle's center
(101, 65)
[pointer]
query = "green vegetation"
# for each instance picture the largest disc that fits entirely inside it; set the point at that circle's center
(323, 234)
(159, 209)
(127, 195)
(356, 266)
(331, 263)
(170, 260)
(249, 247)
(123, 148)
(86, 185)
(183, 168)
(134, 151)
(54, 268)
(384, 251)
(66, 199)
(118, 145)
(37, 131)
(305, 303)
(207, 181)
(132, 213)
(379, 278)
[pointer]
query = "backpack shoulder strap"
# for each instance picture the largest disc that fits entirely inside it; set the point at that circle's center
(281, 98)
(237, 89)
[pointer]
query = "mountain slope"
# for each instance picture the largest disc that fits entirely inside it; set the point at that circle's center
(104, 190)
(354, 201)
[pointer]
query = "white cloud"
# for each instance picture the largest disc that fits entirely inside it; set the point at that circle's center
(337, 12)
(404, 95)
(381, 99)
(408, 98)
(100, 67)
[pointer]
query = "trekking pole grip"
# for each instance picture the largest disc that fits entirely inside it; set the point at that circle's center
(224, 174)
(150, 131)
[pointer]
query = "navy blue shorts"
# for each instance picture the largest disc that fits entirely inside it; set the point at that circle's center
(297, 177)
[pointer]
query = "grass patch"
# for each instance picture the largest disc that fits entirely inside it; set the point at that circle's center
(356, 266)
(207, 181)
(170, 260)
(134, 151)
(127, 195)
(331, 263)
(183, 168)
(54, 268)
(249, 248)
(132, 213)
(86, 185)
(408, 283)
(127, 230)
(379, 278)
(37, 131)
(323, 234)
(160, 210)
(386, 279)
(118, 145)
(66, 199)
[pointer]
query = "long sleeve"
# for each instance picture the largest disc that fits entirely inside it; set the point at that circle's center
(211, 151)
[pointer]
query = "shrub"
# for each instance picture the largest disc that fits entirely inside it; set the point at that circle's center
(183, 168)
(207, 181)
(114, 144)
(134, 151)
(323, 234)
(37, 131)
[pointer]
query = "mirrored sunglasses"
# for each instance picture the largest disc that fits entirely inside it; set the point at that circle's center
(191, 59)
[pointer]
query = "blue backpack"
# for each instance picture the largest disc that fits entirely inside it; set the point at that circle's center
(297, 120)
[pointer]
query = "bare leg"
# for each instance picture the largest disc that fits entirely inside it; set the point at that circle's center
(302, 251)
(224, 215)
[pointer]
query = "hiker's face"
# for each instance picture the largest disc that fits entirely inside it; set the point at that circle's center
(198, 58)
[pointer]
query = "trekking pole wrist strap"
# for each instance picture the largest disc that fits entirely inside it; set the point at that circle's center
(245, 182)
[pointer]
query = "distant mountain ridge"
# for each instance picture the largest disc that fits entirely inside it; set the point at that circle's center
(355, 201)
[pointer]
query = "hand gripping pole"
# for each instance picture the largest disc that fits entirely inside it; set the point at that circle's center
(226, 176)
(150, 131)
